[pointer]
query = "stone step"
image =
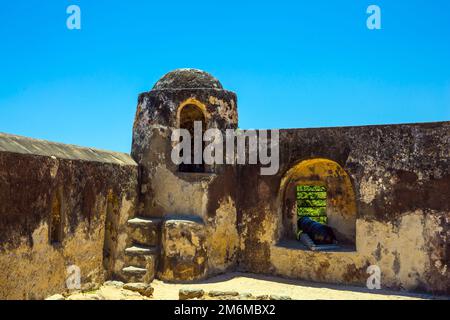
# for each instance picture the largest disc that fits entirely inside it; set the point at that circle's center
(141, 221)
(142, 254)
(137, 250)
(132, 270)
(145, 231)
(136, 274)
(142, 257)
(145, 261)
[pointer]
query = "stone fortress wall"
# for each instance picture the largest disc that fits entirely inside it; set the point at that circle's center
(60, 205)
(134, 218)
(388, 196)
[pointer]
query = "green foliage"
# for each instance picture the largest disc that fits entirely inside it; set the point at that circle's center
(306, 195)
(312, 211)
(312, 203)
(312, 188)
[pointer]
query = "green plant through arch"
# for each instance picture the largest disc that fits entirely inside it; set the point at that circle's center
(312, 203)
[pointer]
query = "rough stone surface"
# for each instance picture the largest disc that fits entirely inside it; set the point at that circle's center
(400, 178)
(89, 286)
(112, 290)
(187, 79)
(186, 294)
(116, 284)
(92, 199)
(143, 288)
(210, 196)
(223, 293)
(184, 250)
(144, 231)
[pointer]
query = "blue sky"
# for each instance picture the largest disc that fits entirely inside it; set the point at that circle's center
(292, 63)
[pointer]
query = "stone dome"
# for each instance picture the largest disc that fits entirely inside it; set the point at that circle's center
(187, 79)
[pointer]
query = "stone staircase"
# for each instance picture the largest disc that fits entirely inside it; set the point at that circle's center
(141, 256)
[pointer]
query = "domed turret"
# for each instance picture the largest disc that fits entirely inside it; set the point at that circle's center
(187, 79)
(184, 193)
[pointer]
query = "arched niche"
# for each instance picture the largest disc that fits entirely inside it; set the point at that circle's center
(189, 103)
(340, 197)
(188, 113)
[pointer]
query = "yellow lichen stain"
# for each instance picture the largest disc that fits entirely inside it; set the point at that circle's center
(53, 168)
(219, 102)
(183, 241)
(404, 258)
(267, 229)
(224, 109)
(317, 169)
(45, 265)
(195, 102)
(223, 237)
(315, 266)
(183, 246)
(125, 211)
(177, 196)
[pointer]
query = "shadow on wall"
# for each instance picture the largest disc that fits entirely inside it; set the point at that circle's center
(111, 233)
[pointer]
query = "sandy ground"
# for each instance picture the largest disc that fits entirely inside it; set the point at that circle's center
(108, 293)
(256, 285)
(266, 285)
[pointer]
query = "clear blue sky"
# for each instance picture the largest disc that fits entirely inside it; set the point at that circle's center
(292, 63)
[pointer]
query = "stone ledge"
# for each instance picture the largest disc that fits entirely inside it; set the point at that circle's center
(298, 246)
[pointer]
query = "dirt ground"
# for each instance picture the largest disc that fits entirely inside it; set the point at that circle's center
(244, 284)
(266, 285)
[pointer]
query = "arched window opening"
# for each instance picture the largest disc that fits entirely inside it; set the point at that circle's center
(188, 116)
(317, 199)
(312, 215)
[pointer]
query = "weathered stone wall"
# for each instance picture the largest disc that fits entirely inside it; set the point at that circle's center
(210, 196)
(401, 181)
(83, 186)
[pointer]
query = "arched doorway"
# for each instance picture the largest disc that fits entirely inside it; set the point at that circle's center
(187, 116)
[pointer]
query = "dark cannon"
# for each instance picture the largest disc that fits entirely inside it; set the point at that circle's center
(319, 233)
